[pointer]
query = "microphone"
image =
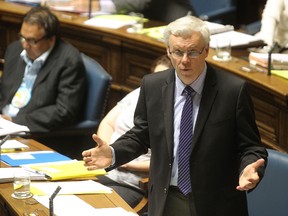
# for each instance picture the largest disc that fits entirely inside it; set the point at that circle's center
(90, 9)
(274, 46)
(51, 207)
(1, 143)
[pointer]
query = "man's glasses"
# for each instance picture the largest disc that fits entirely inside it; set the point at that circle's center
(178, 54)
(30, 41)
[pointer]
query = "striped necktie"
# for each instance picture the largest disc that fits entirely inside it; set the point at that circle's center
(185, 140)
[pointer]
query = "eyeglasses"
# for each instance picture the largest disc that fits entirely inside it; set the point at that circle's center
(178, 54)
(30, 41)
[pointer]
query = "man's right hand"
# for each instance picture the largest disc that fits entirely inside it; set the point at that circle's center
(98, 157)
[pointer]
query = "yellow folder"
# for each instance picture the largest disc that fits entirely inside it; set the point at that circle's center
(65, 170)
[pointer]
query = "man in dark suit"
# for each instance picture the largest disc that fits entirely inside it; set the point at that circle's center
(225, 155)
(43, 82)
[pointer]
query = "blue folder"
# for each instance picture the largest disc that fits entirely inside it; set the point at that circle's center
(22, 158)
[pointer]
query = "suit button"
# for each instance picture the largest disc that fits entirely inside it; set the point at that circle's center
(165, 190)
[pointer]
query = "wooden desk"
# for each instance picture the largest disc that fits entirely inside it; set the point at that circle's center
(13, 207)
(127, 57)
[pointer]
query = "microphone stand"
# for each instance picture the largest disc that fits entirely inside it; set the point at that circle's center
(51, 208)
(1, 143)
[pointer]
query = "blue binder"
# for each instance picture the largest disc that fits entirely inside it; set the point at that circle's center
(22, 158)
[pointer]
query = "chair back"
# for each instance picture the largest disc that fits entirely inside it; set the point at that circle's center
(270, 197)
(99, 82)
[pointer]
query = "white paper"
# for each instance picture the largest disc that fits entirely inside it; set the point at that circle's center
(8, 127)
(7, 174)
(74, 206)
(67, 205)
(114, 21)
(72, 187)
(13, 145)
(236, 38)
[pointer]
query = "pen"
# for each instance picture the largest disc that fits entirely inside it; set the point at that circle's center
(1, 143)
(4, 139)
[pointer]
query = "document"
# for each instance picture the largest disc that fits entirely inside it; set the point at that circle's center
(33, 157)
(74, 206)
(13, 146)
(113, 21)
(8, 127)
(69, 187)
(238, 39)
(65, 170)
(7, 174)
(279, 61)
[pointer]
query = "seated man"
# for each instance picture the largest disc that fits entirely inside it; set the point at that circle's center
(125, 180)
(43, 81)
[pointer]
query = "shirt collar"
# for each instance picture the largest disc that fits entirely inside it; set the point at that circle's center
(197, 85)
(41, 58)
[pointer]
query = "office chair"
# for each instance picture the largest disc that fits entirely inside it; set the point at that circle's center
(270, 197)
(72, 140)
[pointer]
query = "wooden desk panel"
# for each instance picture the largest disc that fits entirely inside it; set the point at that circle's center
(128, 57)
(13, 207)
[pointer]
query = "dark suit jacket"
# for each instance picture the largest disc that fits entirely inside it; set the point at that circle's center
(225, 140)
(58, 91)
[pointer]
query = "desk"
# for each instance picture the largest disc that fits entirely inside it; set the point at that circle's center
(13, 207)
(127, 57)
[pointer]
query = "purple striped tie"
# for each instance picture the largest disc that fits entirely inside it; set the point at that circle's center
(185, 140)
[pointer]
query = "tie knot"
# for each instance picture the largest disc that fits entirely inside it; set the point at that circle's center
(188, 90)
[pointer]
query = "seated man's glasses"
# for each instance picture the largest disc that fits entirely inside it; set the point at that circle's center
(178, 54)
(30, 41)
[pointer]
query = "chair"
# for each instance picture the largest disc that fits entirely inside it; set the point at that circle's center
(142, 207)
(270, 197)
(72, 140)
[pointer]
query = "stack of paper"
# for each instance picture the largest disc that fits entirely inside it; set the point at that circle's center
(7, 174)
(216, 28)
(279, 61)
(65, 170)
(238, 39)
(113, 21)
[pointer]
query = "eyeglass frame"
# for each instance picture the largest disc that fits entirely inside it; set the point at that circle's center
(180, 55)
(31, 41)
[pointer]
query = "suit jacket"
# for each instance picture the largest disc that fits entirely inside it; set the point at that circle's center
(125, 6)
(58, 91)
(225, 140)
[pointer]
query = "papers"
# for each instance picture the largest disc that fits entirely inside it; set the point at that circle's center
(69, 187)
(280, 73)
(8, 127)
(22, 158)
(74, 206)
(278, 60)
(216, 28)
(238, 39)
(113, 21)
(7, 174)
(65, 170)
(13, 145)
(155, 32)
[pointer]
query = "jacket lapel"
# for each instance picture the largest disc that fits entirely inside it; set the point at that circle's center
(168, 104)
(207, 100)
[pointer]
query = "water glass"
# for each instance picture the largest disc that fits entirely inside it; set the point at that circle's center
(21, 185)
(223, 49)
